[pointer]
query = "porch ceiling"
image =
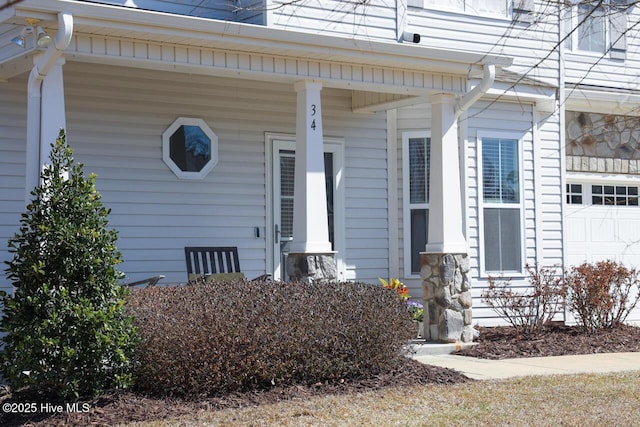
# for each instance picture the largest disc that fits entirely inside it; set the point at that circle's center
(138, 38)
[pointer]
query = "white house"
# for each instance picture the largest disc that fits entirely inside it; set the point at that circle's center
(438, 141)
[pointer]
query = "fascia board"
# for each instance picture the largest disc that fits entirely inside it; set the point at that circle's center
(249, 37)
(595, 101)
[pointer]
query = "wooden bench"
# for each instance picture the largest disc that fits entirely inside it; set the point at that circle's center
(216, 263)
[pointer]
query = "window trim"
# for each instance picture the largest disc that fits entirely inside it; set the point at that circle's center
(407, 206)
(574, 39)
(166, 148)
(443, 8)
(484, 273)
(587, 192)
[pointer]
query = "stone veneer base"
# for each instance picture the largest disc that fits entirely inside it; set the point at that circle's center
(447, 296)
(306, 267)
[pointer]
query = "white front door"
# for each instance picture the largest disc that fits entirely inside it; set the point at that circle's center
(283, 167)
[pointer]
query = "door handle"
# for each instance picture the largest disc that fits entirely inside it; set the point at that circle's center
(277, 233)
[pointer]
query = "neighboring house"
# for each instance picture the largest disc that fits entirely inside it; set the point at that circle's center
(477, 145)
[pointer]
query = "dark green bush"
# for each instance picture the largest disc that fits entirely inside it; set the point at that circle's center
(220, 337)
(66, 329)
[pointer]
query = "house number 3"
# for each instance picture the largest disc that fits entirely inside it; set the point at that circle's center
(313, 113)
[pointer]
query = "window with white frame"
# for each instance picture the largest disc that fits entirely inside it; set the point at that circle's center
(502, 204)
(480, 7)
(596, 194)
(190, 148)
(416, 149)
(597, 26)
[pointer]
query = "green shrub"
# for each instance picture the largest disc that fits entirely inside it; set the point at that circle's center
(210, 338)
(602, 295)
(66, 329)
(530, 308)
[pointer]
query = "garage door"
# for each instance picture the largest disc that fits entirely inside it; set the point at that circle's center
(602, 222)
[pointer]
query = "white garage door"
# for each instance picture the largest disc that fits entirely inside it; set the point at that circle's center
(602, 222)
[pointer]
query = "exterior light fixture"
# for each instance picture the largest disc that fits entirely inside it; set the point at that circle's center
(44, 39)
(19, 40)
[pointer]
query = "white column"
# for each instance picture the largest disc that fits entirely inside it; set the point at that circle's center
(445, 195)
(53, 116)
(310, 227)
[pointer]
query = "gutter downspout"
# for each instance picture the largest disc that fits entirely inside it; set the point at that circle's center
(489, 76)
(34, 100)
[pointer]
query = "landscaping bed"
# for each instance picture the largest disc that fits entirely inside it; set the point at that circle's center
(555, 340)
(122, 407)
(494, 343)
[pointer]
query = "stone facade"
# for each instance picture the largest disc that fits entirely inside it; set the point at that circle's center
(447, 297)
(603, 143)
(311, 267)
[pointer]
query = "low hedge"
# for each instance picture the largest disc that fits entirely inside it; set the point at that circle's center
(212, 338)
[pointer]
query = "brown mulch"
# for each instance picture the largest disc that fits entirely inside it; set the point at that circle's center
(123, 407)
(494, 343)
(554, 340)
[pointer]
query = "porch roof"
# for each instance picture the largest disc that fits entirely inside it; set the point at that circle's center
(148, 39)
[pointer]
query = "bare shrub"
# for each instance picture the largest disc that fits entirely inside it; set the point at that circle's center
(602, 295)
(211, 338)
(530, 308)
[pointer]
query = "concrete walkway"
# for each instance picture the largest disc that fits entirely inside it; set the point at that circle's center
(483, 369)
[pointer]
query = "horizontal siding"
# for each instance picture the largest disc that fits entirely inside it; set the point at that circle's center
(529, 45)
(601, 70)
(374, 19)
(115, 127)
(500, 117)
(13, 120)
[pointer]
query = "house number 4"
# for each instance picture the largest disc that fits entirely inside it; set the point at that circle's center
(313, 113)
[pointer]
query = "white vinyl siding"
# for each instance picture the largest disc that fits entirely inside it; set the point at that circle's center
(612, 66)
(375, 19)
(115, 126)
(416, 148)
(13, 122)
(532, 45)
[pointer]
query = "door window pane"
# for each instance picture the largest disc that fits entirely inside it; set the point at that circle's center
(419, 231)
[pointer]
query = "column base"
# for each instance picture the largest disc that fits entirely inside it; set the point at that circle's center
(447, 296)
(307, 267)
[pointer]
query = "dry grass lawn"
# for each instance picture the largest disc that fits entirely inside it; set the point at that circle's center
(568, 400)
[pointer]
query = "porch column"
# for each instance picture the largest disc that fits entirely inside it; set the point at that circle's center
(310, 258)
(53, 116)
(46, 115)
(445, 263)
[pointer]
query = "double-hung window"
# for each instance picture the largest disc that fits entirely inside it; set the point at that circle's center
(501, 204)
(416, 147)
(597, 27)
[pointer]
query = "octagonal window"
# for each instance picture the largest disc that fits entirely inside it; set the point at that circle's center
(190, 148)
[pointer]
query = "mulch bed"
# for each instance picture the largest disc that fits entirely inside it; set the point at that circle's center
(123, 407)
(554, 340)
(494, 343)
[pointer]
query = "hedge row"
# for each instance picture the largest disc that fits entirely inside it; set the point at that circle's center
(211, 338)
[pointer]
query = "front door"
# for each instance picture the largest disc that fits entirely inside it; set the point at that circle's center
(283, 186)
